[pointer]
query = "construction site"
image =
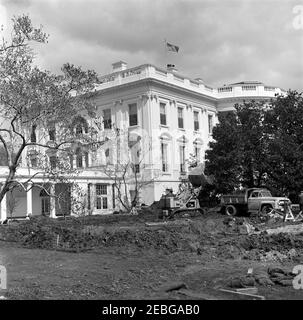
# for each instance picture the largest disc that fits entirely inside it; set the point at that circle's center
(173, 249)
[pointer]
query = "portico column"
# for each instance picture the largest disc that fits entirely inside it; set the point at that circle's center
(29, 199)
(3, 214)
(52, 201)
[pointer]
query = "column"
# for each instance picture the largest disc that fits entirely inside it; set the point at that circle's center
(89, 160)
(29, 199)
(3, 214)
(52, 201)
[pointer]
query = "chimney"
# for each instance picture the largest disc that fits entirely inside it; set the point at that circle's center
(119, 66)
(171, 68)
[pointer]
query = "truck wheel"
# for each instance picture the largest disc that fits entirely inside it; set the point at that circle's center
(231, 210)
(266, 209)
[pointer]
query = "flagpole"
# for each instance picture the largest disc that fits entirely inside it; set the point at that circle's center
(165, 53)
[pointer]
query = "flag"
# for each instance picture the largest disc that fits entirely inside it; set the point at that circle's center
(172, 47)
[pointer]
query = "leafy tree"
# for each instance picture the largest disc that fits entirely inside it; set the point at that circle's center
(284, 127)
(34, 102)
(223, 156)
(252, 143)
(237, 156)
(260, 143)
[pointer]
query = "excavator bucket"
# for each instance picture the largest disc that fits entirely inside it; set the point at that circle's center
(197, 177)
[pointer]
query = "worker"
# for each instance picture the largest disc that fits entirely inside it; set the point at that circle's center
(301, 201)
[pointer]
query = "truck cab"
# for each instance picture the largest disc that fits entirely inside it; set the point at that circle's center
(261, 200)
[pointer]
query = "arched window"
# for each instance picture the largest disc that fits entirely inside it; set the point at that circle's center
(79, 129)
(79, 125)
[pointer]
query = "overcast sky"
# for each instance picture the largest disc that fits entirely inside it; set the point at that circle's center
(222, 41)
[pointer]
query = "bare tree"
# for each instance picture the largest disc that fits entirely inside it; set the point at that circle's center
(130, 172)
(37, 109)
(12, 204)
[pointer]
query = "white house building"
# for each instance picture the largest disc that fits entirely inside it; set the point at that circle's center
(168, 116)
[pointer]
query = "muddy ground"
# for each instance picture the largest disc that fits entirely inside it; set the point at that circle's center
(141, 258)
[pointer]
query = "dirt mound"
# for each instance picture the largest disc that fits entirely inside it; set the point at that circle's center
(281, 242)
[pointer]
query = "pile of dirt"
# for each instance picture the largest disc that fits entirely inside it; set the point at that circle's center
(281, 242)
(212, 236)
(46, 233)
(51, 234)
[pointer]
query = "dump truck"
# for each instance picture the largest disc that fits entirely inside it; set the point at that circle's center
(252, 201)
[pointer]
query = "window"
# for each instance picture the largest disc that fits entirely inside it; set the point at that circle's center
(255, 194)
(163, 113)
(107, 119)
(45, 203)
(101, 196)
(196, 121)
(182, 158)
(164, 157)
(33, 133)
(101, 189)
(79, 159)
(79, 129)
(79, 125)
(52, 134)
(34, 161)
(180, 118)
(133, 114)
(210, 123)
(53, 161)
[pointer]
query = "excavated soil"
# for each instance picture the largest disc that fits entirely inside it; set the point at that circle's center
(131, 257)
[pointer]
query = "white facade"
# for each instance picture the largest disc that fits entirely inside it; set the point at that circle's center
(173, 117)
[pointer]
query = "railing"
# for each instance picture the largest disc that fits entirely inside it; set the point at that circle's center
(225, 89)
(249, 88)
(147, 70)
(131, 72)
(269, 89)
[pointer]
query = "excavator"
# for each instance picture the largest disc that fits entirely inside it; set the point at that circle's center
(185, 202)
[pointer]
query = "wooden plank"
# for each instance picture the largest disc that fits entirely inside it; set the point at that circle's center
(244, 294)
(250, 290)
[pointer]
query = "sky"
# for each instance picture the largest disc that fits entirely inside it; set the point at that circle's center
(220, 41)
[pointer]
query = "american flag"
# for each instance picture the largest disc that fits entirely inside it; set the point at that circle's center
(172, 47)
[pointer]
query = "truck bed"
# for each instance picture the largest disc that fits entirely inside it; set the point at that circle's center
(234, 199)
